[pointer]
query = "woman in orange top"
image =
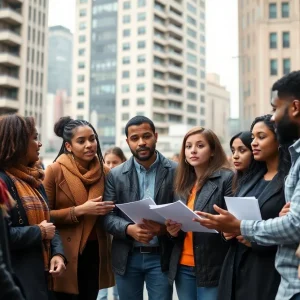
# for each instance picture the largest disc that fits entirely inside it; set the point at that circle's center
(203, 179)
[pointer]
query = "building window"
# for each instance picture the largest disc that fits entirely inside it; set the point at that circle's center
(125, 102)
(202, 111)
(141, 3)
(191, 70)
(202, 99)
(191, 45)
(83, 12)
(192, 83)
(80, 78)
(141, 58)
(125, 88)
(191, 8)
(273, 40)
(202, 62)
(125, 74)
(286, 66)
(140, 87)
(141, 16)
(126, 46)
(140, 73)
(140, 101)
(192, 121)
(126, 5)
(191, 32)
(126, 60)
(285, 10)
(202, 50)
(80, 92)
(202, 74)
(81, 65)
(126, 32)
(192, 58)
(82, 25)
(126, 19)
(191, 21)
(202, 86)
(191, 96)
(80, 105)
(82, 38)
(141, 30)
(125, 116)
(81, 52)
(202, 123)
(141, 44)
(272, 11)
(273, 67)
(192, 108)
(286, 39)
(83, 1)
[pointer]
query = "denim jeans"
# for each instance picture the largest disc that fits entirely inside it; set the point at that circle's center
(296, 297)
(187, 289)
(144, 268)
(103, 294)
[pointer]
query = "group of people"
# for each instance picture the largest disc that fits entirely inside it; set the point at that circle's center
(63, 237)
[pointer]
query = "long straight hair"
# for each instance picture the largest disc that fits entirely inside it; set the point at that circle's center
(185, 177)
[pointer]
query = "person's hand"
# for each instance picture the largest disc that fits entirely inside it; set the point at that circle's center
(57, 266)
(94, 207)
(243, 241)
(173, 228)
(155, 228)
(140, 234)
(228, 236)
(285, 209)
(49, 229)
(225, 221)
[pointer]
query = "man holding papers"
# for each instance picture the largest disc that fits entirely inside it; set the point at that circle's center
(283, 231)
(140, 252)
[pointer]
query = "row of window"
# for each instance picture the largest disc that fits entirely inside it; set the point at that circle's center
(39, 78)
(29, 97)
(285, 10)
(273, 39)
(286, 66)
(31, 36)
(33, 15)
(38, 59)
(140, 3)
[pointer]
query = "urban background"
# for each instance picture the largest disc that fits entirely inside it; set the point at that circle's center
(108, 60)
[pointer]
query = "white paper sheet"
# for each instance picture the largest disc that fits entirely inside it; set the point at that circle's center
(139, 210)
(244, 208)
(180, 213)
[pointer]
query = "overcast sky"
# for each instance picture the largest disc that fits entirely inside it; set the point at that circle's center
(221, 36)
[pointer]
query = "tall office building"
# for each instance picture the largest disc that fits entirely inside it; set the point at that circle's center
(60, 48)
(161, 64)
(269, 39)
(23, 57)
(94, 73)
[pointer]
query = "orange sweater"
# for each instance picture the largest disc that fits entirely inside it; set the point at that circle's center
(187, 255)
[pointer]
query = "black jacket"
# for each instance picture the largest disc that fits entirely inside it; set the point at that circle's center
(26, 248)
(209, 248)
(249, 273)
(122, 186)
(8, 288)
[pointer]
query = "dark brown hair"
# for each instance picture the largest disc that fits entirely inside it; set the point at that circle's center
(185, 174)
(116, 151)
(15, 132)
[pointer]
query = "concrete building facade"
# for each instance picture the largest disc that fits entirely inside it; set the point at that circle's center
(269, 39)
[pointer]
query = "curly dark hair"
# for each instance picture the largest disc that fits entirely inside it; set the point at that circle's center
(15, 132)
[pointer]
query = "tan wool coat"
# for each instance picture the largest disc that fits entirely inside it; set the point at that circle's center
(61, 203)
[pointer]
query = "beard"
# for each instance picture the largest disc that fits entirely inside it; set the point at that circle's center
(287, 131)
(144, 158)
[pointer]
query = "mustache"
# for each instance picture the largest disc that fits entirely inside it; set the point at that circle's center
(143, 149)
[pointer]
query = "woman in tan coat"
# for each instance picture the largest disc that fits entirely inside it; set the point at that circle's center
(75, 184)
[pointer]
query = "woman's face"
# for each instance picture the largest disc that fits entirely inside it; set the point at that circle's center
(33, 149)
(83, 145)
(241, 155)
(197, 150)
(264, 144)
(112, 160)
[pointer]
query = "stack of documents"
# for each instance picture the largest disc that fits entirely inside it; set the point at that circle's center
(177, 212)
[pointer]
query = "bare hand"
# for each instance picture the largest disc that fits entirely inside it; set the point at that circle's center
(49, 229)
(155, 228)
(140, 234)
(57, 266)
(285, 209)
(225, 221)
(243, 241)
(173, 228)
(229, 236)
(95, 207)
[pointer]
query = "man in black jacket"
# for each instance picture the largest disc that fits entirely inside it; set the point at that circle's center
(140, 253)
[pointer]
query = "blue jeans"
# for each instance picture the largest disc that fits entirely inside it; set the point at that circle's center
(143, 268)
(296, 297)
(102, 295)
(187, 289)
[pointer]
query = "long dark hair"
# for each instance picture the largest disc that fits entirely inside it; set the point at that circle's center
(15, 133)
(65, 128)
(185, 175)
(284, 155)
(241, 177)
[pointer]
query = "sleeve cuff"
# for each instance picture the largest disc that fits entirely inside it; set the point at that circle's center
(247, 230)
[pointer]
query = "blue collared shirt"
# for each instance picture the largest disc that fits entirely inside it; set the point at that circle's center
(283, 231)
(146, 180)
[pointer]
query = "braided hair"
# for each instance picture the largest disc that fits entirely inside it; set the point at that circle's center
(65, 128)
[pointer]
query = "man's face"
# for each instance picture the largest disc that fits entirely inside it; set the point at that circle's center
(287, 129)
(141, 141)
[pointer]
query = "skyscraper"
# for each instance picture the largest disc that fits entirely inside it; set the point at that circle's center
(23, 57)
(60, 48)
(269, 39)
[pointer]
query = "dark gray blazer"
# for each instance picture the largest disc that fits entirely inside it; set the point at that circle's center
(122, 186)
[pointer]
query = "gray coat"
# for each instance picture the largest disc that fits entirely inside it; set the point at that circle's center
(122, 186)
